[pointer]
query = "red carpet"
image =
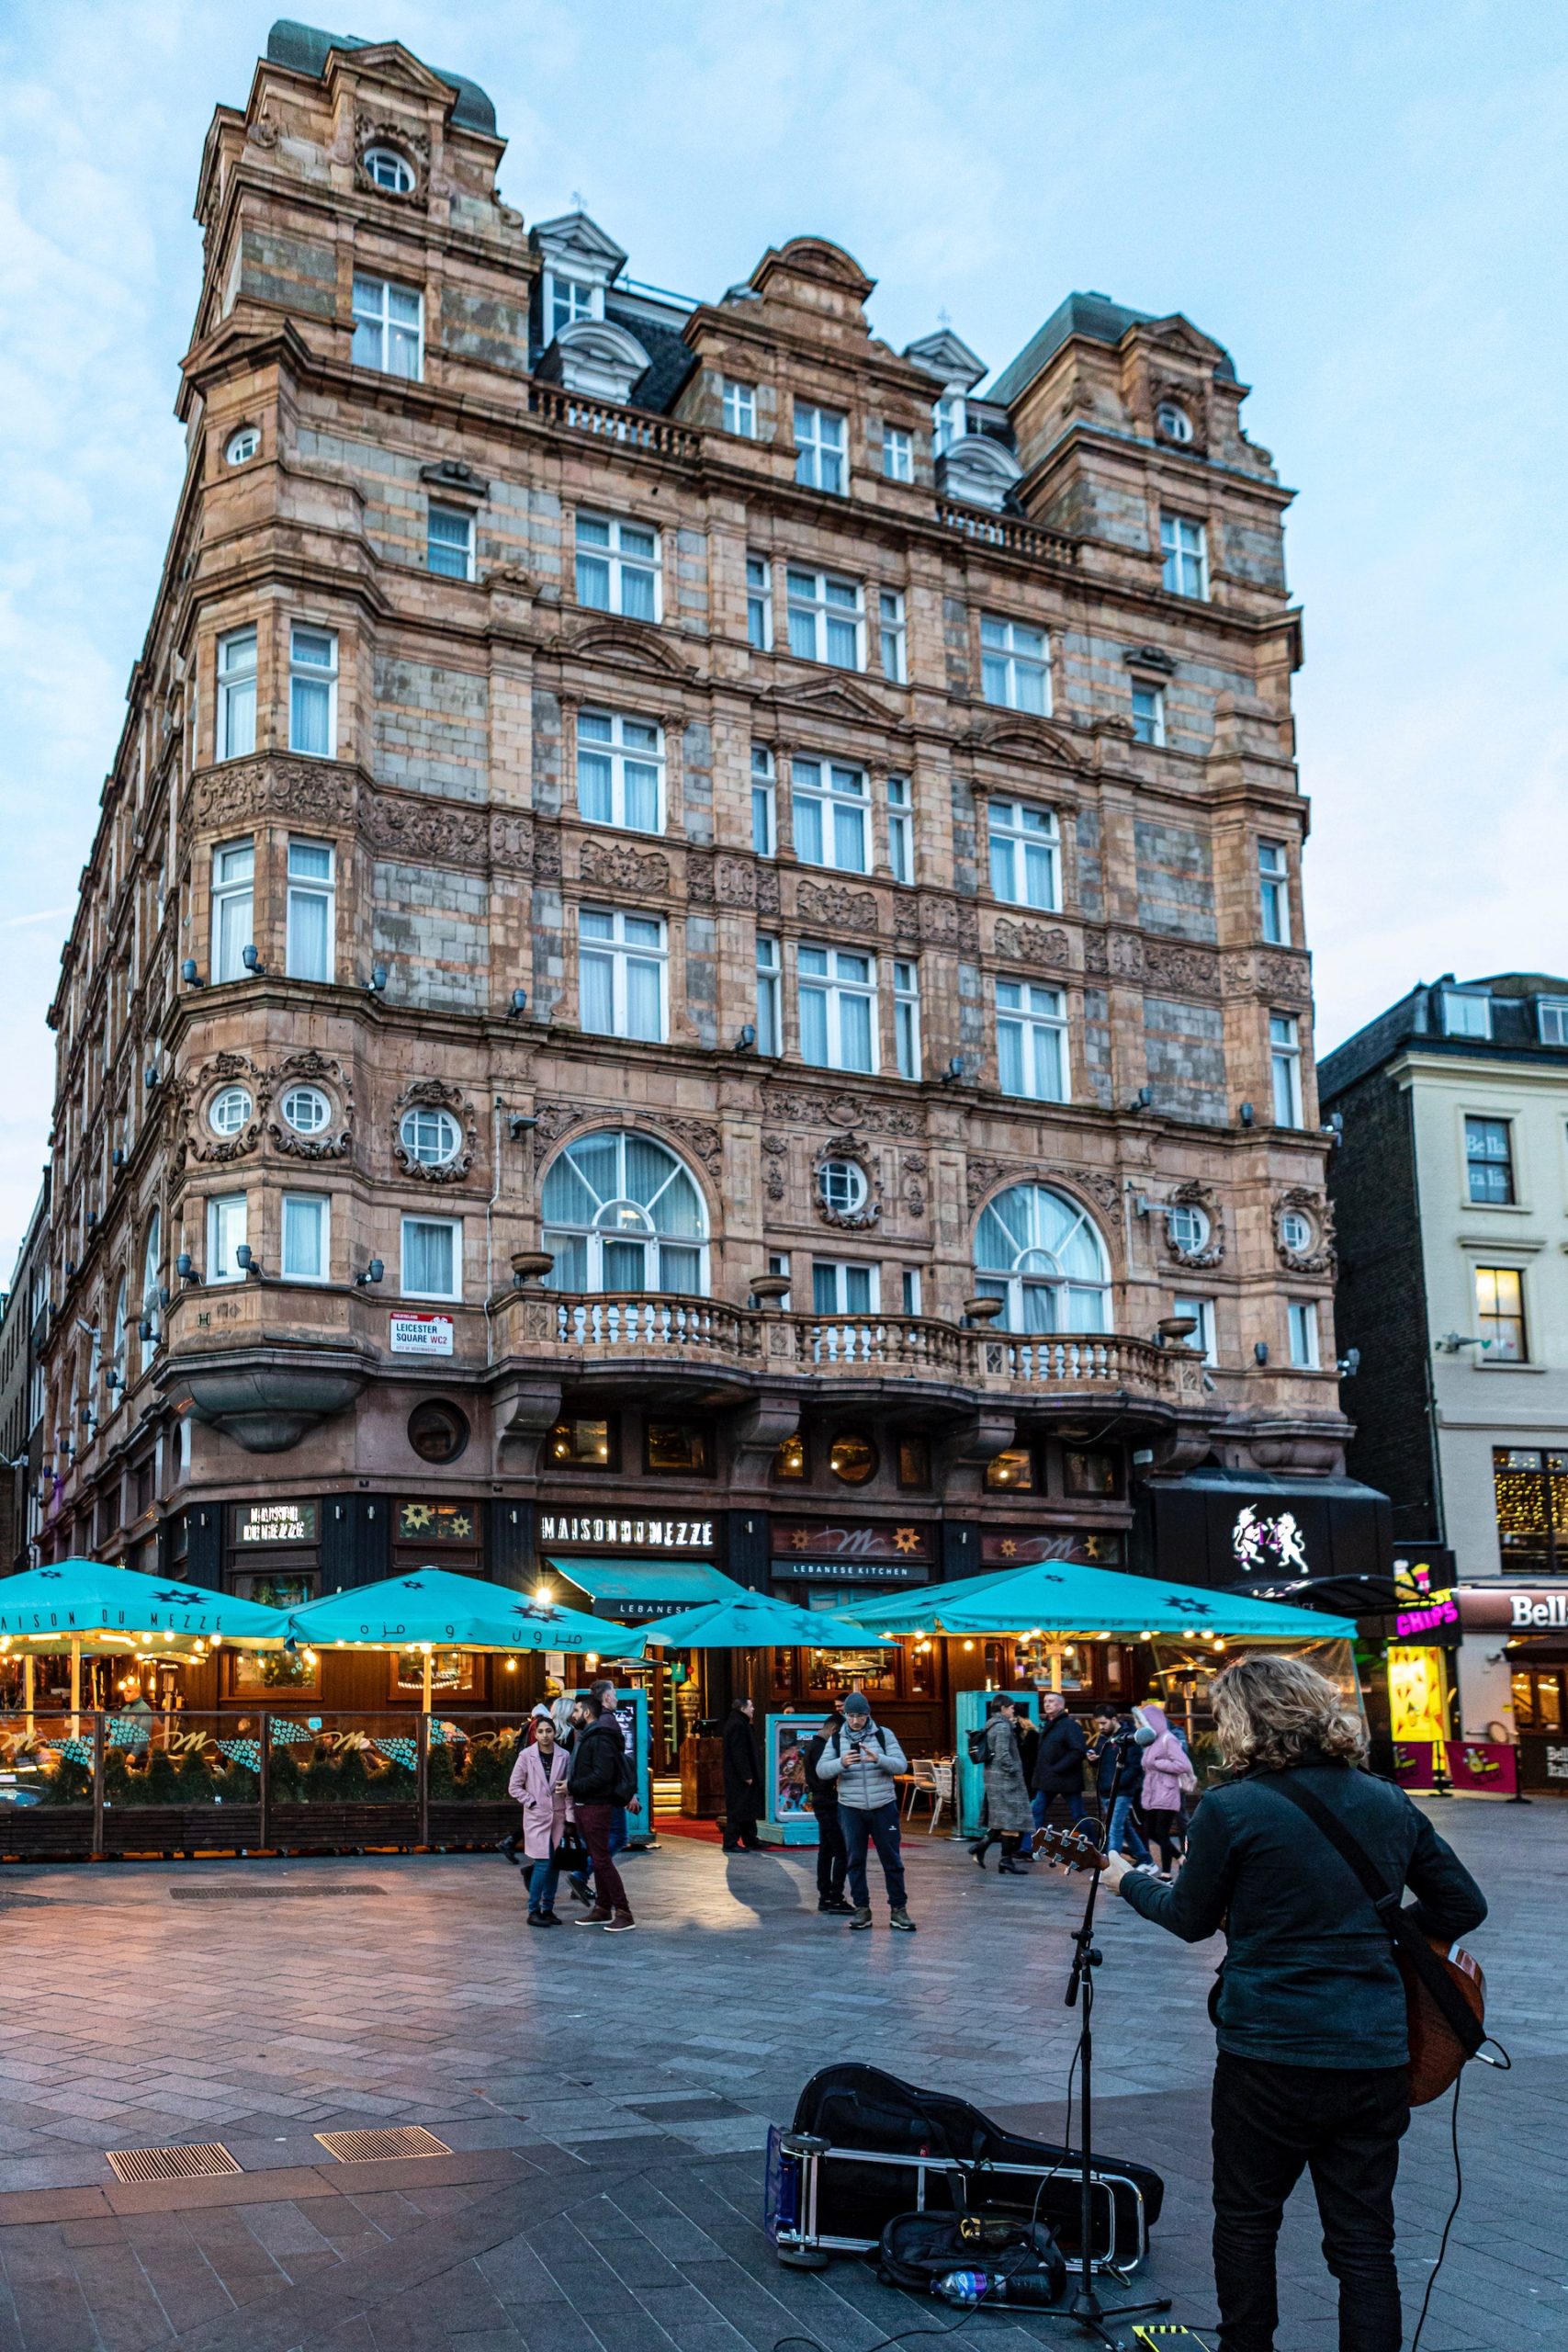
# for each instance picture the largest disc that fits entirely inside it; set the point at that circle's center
(675, 1824)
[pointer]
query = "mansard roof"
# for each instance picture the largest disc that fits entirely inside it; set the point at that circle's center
(305, 49)
(1095, 315)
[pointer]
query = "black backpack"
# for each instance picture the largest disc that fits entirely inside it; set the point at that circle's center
(1020, 2261)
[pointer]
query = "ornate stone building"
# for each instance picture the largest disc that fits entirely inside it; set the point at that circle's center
(685, 792)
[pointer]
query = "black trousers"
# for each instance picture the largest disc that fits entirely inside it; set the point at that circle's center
(741, 1830)
(831, 1860)
(1344, 2125)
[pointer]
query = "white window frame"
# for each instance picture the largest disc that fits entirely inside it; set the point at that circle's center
(1148, 721)
(1172, 420)
(312, 677)
(901, 828)
(319, 1205)
(241, 446)
(1015, 665)
(759, 603)
(1474, 1160)
(236, 693)
(304, 887)
(1025, 854)
(615, 748)
(840, 1270)
(769, 995)
(619, 563)
(1201, 1311)
(907, 1017)
(1184, 556)
(829, 789)
(1552, 1020)
(1305, 1334)
(950, 419)
(909, 1286)
(565, 299)
(228, 1223)
(1036, 1014)
(892, 636)
(764, 802)
(897, 453)
(614, 948)
(1285, 1069)
(1274, 892)
(454, 1226)
(740, 405)
(1453, 999)
(821, 448)
(463, 547)
(441, 1120)
(401, 180)
(317, 1094)
(397, 338)
(841, 1184)
(840, 982)
(233, 886)
(1186, 1228)
(822, 615)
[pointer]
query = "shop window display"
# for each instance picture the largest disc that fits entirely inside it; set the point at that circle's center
(671, 1446)
(589, 1445)
(1012, 1472)
(852, 1459)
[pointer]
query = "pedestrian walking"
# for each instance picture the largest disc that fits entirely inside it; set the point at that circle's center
(861, 1757)
(832, 1861)
(538, 1783)
(742, 1779)
(1117, 1763)
(1058, 1766)
(1008, 1812)
(1168, 1778)
(603, 1776)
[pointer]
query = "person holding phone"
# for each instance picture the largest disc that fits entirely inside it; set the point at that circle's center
(861, 1758)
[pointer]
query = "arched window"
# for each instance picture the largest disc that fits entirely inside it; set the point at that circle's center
(117, 1355)
(152, 1305)
(621, 1213)
(1041, 1254)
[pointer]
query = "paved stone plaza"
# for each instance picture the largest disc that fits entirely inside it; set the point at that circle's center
(607, 2099)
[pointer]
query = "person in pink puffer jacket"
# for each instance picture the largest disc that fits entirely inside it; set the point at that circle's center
(1168, 1778)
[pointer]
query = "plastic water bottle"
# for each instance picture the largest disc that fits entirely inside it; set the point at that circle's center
(965, 2287)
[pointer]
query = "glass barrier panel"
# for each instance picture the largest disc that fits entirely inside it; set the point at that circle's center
(46, 1761)
(336, 1758)
(472, 1757)
(181, 1758)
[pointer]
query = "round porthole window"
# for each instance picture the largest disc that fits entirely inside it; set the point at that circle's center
(430, 1137)
(1173, 421)
(307, 1110)
(437, 1431)
(389, 170)
(241, 446)
(230, 1111)
(842, 1185)
(1296, 1231)
(852, 1459)
(1189, 1230)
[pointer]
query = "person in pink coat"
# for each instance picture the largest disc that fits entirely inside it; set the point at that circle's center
(538, 1783)
(1168, 1778)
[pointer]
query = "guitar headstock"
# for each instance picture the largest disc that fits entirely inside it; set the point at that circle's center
(1071, 1849)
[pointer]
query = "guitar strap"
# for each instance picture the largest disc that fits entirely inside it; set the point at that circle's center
(1398, 1924)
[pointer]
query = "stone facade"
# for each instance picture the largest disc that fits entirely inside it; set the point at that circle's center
(439, 766)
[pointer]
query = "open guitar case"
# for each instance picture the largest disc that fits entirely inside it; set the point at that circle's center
(865, 2146)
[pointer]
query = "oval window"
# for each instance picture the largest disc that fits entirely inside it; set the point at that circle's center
(430, 1137)
(1189, 1230)
(230, 1111)
(437, 1431)
(242, 446)
(852, 1459)
(306, 1110)
(842, 1185)
(389, 170)
(1295, 1230)
(1173, 421)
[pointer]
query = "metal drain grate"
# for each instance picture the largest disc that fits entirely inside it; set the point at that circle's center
(373, 2147)
(172, 2163)
(266, 1894)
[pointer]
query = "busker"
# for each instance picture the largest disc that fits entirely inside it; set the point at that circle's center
(832, 1859)
(538, 1782)
(1008, 1813)
(1311, 2072)
(863, 1757)
(1118, 1765)
(1167, 1777)
(742, 1779)
(1058, 1764)
(603, 1776)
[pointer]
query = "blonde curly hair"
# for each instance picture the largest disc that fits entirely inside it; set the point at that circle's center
(1273, 1712)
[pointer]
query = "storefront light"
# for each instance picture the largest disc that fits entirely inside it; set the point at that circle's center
(968, 1646)
(591, 1657)
(543, 1596)
(512, 1666)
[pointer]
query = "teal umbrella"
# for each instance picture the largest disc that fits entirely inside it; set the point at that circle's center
(1058, 1595)
(433, 1610)
(759, 1622)
(76, 1605)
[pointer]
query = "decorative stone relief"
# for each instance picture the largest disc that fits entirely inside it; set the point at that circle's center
(434, 1092)
(1320, 1256)
(610, 865)
(767, 889)
(1269, 973)
(197, 1089)
(1188, 969)
(1031, 943)
(314, 791)
(513, 841)
(311, 1068)
(783, 1109)
(699, 880)
(775, 1167)
(945, 924)
(426, 832)
(913, 1170)
(838, 908)
(848, 1146)
(734, 882)
(1194, 1195)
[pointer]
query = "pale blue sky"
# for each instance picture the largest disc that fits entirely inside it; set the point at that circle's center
(1366, 205)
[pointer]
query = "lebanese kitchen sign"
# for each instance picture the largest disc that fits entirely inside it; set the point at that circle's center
(871, 1552)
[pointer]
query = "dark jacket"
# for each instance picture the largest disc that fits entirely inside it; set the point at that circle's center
(1309, 1977)
(1058, 1767)
(1028, 1732)
(1118, 1766)
(823, 1793)
(600, 1765)
(742, 1769)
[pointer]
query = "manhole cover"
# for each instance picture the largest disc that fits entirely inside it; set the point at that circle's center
(265, 1893)
(171, 2164)
(371, 2147)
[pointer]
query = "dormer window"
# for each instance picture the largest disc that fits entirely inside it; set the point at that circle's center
(1172, 420)
(389, 170)
(1466, 1014)
(571, 298)
(950, 419)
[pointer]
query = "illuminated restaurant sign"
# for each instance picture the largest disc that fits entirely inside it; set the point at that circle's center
(1022, 1547)
(275, 1524)
(627, 1534)
(861, 1552)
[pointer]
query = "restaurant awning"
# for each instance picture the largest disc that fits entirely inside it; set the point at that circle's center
(433, 1605)
(646, 1589)
(91, 1606)
(1059, 1596)
(759, 1621)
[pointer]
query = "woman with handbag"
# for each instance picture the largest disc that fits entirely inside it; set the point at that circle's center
(538, 1782)
(1168, 1778)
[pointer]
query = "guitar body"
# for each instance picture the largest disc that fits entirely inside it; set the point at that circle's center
(1436, 2053)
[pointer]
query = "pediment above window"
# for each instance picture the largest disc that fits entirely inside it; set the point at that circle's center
(597, 358)
(836, 698)
(627, 646)
(977, 470)
(1019, 736)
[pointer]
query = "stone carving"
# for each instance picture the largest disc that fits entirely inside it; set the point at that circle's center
(838, 908)
(1099, 1183)
(1031, 943)
(264, 133)
(373, 130)
(775, 1166)
(767, 889)
(551, 1121)
(1126, 955)
(734, 882)
(699, 880)
(546, 855)
(513, 840)
(1319, 1256)
(627, 644)
(702, 1140)
(846, 1146)
(946, 923)
(914, 1177)
(436, 1094)
(982, 1176)
(197, 1090)
(1269, 973)
(1096, 955)
(783, 1109)
(611, 866)
(1190, 969)
(315, 791)
(906, 922)
(425, 832)
(311, 1068)
(1194, 1195)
